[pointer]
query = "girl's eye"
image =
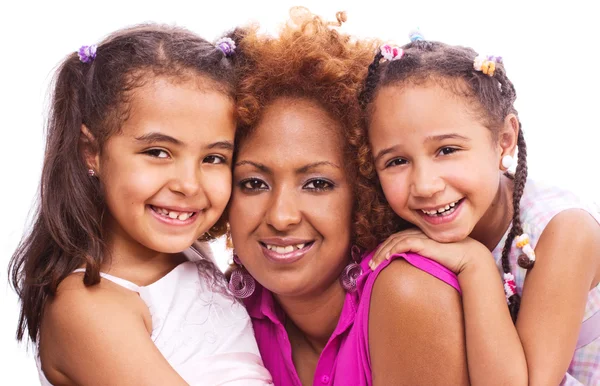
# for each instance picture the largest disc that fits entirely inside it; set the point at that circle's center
(253, 184)
(448, 150)
(396, 162)
(318, 185)
(157, 153)
(214, 159)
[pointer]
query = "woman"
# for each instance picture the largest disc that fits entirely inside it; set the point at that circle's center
(318, 317)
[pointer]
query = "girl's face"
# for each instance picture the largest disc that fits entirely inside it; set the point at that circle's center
(438, 165)
(166, 174)
(291, 206)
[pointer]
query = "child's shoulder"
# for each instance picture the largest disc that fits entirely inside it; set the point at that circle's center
(541, 202)
(76, 305)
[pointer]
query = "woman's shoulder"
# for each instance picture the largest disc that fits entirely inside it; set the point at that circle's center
(408, 285)
(413, 314)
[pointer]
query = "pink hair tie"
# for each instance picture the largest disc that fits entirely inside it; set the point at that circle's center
(390, 52)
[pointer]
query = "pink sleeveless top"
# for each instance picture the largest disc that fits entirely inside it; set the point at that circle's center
(345, 359)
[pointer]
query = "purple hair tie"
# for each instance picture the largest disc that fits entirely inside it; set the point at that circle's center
(87, 53)
(226, 45)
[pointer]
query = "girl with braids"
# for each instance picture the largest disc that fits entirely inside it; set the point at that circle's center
(300, 212)
(137, 167)
(443, 132)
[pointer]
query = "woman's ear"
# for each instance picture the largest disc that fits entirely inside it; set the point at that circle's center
(88, 146)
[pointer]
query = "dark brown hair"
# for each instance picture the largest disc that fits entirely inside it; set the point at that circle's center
(67, 229)
(311, 60)
(451, 67)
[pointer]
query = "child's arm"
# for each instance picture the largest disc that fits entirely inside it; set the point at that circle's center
(416, 331)
(554, 297)
(555, 293)
(98, 336)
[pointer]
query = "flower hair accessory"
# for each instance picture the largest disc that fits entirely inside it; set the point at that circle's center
(390, 52)
(527, 258)
(510, 286)
(226, 45)
(87, 54)
(486, 64)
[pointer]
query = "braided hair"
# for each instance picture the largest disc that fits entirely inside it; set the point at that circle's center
(452, 66)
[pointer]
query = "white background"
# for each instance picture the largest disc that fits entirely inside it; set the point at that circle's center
(551, 52)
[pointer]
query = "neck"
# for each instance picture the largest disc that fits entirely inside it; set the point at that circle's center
(494, 223)
(130, 260)
(314, 318)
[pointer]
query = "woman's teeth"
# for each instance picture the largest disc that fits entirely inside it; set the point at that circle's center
(442, 211)
(287, 249)
(181, 216)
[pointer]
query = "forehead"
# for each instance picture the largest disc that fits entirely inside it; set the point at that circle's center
(294, 129)
(185, 107)
(424, 109)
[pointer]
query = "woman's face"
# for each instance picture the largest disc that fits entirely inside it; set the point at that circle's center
(291, 206)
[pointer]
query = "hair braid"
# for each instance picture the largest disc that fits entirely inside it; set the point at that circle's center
(370, 81)
(517, 229)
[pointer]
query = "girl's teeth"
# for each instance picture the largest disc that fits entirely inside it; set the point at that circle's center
(181, 216)
(300, 246)
(435, 212)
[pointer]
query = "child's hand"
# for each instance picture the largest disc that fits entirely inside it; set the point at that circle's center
(454, 256)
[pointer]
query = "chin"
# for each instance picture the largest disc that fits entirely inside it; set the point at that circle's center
(447, 236)
(170, 244)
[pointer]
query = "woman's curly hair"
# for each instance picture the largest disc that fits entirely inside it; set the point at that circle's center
(310, 59)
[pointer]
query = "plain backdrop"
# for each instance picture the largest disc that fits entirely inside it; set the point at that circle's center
(550, 50)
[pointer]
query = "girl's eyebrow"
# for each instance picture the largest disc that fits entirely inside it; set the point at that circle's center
(223, 145)
(154, 137)
(441, 137)
(385, 151)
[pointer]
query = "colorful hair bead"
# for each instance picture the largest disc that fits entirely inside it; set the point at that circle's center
(486, 64)
(391, 53)
(415, 35)
(510, 286)
(527, 258)
(226, 45)
(87, 53)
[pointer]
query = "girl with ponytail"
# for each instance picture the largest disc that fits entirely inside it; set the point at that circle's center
(114, 288)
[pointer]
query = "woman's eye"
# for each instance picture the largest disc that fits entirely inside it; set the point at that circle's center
(253, 184)
(214, 159)
(157, 153)
(448, 150)
(318, 185)
(396, 162)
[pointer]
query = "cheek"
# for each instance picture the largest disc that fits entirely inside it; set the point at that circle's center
(129, 183)
(394, 188)
(245, 212)
(218, 188)
(331, 217)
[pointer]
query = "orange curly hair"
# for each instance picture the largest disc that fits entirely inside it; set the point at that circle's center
(310, 59)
